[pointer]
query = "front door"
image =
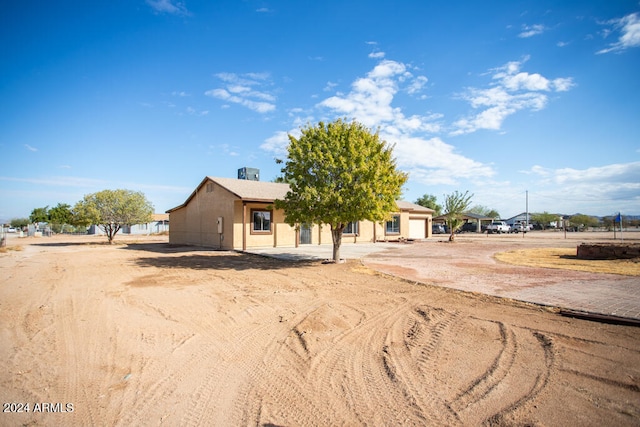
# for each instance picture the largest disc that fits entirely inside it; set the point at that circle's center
(305, 234)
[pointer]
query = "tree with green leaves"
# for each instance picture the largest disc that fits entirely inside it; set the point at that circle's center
(59, 216)
(582, 221)
(112, 209)
(39, 215)
(20, 222)
(430, 201)
(455, 204)
(544, 219)
(338, 173)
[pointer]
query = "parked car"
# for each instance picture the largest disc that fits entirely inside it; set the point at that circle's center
(498, 227)
(468, 226)
(438, 229)
(517, 228)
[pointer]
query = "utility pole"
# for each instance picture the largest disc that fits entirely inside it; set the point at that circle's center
(527, 207)
(526, 224)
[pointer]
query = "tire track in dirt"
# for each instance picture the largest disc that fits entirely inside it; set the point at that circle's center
(334, 367)
(228, 393)
(482, 386)
(207, 351)
(542, 371)
(411, 343)
(318, 345)
(279, 389)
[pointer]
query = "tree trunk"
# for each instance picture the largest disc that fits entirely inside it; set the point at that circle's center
(452, 236)
(111, 230)
(336, 235)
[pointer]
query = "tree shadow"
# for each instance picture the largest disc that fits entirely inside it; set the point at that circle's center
(165, 248)
(200, 258)
(63, 244)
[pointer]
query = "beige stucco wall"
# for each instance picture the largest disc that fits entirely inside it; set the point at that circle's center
(197, 224)
(369, 231)
(178, 222)
(198, 220)
(281, 234)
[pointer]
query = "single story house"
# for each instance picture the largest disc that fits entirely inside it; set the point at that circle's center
(236, 214)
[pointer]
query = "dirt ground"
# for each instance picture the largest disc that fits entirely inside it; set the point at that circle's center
(142, 333)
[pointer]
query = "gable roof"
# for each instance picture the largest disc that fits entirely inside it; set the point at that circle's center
(255, 191)
(259, 191)
(160, 217)
(412, 207)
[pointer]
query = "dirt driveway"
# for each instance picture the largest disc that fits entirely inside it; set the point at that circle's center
(148, 334)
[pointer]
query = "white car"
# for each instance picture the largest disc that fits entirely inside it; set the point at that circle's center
(516, 228)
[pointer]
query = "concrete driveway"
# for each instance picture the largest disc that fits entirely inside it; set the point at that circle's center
(348, 251)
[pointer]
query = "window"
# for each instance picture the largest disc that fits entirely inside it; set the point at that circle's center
(393, 226)
(261, 221)
(210, 187)
(351, 228)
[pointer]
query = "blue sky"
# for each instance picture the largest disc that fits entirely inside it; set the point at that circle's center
(497, 98)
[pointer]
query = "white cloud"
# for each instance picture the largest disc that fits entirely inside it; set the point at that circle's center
(428, 159)
(586, 190)
(376, 55)
(512, 91)
(434, 162)
(30, 148)
(629, 27)
(417, 85)
(223, 148)
(193, 112)
(563, 84)
(370, 98)
(330, 86)
(169, 6)
(531, 30)
(608, 175)
(277, 143)
(239, 89)
(525, 81)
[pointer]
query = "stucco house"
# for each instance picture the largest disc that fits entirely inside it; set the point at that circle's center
(236, 214)
(159, 224)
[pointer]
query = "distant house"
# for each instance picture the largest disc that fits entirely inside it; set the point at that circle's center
(158, 224)
(522, 218)
(238, 214)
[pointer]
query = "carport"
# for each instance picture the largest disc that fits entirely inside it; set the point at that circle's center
(467, 218)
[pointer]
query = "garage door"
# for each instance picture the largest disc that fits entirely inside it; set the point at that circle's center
(417, 228)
